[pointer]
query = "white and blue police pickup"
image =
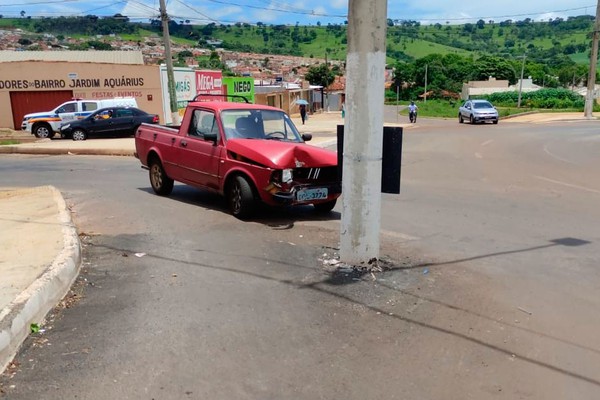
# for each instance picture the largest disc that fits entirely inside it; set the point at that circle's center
(47, 124)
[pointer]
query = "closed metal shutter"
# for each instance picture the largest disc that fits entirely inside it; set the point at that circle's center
(29, 102)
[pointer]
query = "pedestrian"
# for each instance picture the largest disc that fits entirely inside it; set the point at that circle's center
(343, 110)
(303, 112)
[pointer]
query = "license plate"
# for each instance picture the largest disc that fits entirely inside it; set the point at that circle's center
(311, 194)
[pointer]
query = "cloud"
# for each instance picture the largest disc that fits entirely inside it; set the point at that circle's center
(339, 4)
(319, 12)
(265, 16)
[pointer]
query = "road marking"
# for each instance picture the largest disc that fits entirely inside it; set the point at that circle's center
(477, 155)
(487, 142)
(567, 184)
(557, 157)
(398, 235)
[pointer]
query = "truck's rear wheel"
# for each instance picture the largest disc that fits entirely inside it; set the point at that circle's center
(241, 198)
(43, 131)
(161, 183)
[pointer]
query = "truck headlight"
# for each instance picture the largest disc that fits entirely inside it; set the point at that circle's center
(67, 126)
(287, 175)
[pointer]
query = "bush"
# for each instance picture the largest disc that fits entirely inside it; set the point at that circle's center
(543, 98)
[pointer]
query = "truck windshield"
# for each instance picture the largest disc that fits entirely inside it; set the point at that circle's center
(259, 124)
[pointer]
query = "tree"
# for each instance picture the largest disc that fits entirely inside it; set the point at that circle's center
(320, 75)
(185, 54)
(480, 24)
(22, 13)
(498, 67)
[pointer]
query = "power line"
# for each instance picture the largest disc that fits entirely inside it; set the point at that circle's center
(284, 6)
(288, 9)
(100, 8)
(502, 16)
(38, 3)
(299, 11)
(193, 9)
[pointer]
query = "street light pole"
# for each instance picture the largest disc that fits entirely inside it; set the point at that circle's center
(425, 94)
(398, 100)
(170, 74)
(589, 98)
(521, 81)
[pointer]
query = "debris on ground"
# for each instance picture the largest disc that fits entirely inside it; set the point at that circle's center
(525, 311)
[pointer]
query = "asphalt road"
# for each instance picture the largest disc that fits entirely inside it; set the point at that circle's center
(495, 237)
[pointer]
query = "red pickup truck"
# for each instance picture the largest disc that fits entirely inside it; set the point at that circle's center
(249, 153)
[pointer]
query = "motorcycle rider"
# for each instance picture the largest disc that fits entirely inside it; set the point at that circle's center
(412, 111)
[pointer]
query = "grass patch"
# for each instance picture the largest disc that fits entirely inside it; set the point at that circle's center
(8, 142)
(449, 109)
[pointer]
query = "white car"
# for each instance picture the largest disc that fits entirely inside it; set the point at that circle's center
(476, 111)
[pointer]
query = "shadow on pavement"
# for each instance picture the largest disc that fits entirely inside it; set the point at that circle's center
(278, 218)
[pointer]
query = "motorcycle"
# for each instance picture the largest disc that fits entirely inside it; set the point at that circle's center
(412, 116)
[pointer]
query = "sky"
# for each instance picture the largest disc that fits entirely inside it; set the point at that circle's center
(290, 12)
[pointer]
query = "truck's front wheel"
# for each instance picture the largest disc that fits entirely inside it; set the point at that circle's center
(43, 131)
(161, 183)
(241, 198)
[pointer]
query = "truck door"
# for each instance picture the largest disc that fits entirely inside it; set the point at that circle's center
(67, 111)
(200, 158)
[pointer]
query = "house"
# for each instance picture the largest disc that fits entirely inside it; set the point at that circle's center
(492, 85)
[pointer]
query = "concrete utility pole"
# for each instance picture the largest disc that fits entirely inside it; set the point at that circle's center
(425, 93)
(521, 81)
(363, 133)
(591, 86)
(170, 75)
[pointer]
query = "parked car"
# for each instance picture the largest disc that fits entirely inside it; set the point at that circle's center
(112, 121)
(248, 153)
(476, 111)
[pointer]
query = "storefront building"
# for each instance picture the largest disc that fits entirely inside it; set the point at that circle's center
(40, 81)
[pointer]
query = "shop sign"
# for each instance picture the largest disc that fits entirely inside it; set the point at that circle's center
(240, 87)
(185, 90)
(209, 82)
(73, 83)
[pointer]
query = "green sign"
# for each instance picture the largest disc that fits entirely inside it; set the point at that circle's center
(240, 87)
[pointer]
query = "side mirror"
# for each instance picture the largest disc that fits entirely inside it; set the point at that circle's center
(211, 137)
(306, 137)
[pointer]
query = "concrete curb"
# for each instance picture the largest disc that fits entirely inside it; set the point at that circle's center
(32, 305)
(64, 151)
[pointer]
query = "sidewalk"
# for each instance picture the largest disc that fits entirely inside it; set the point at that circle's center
(39, 259)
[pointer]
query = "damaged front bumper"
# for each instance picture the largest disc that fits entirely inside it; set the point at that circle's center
(305, 194)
